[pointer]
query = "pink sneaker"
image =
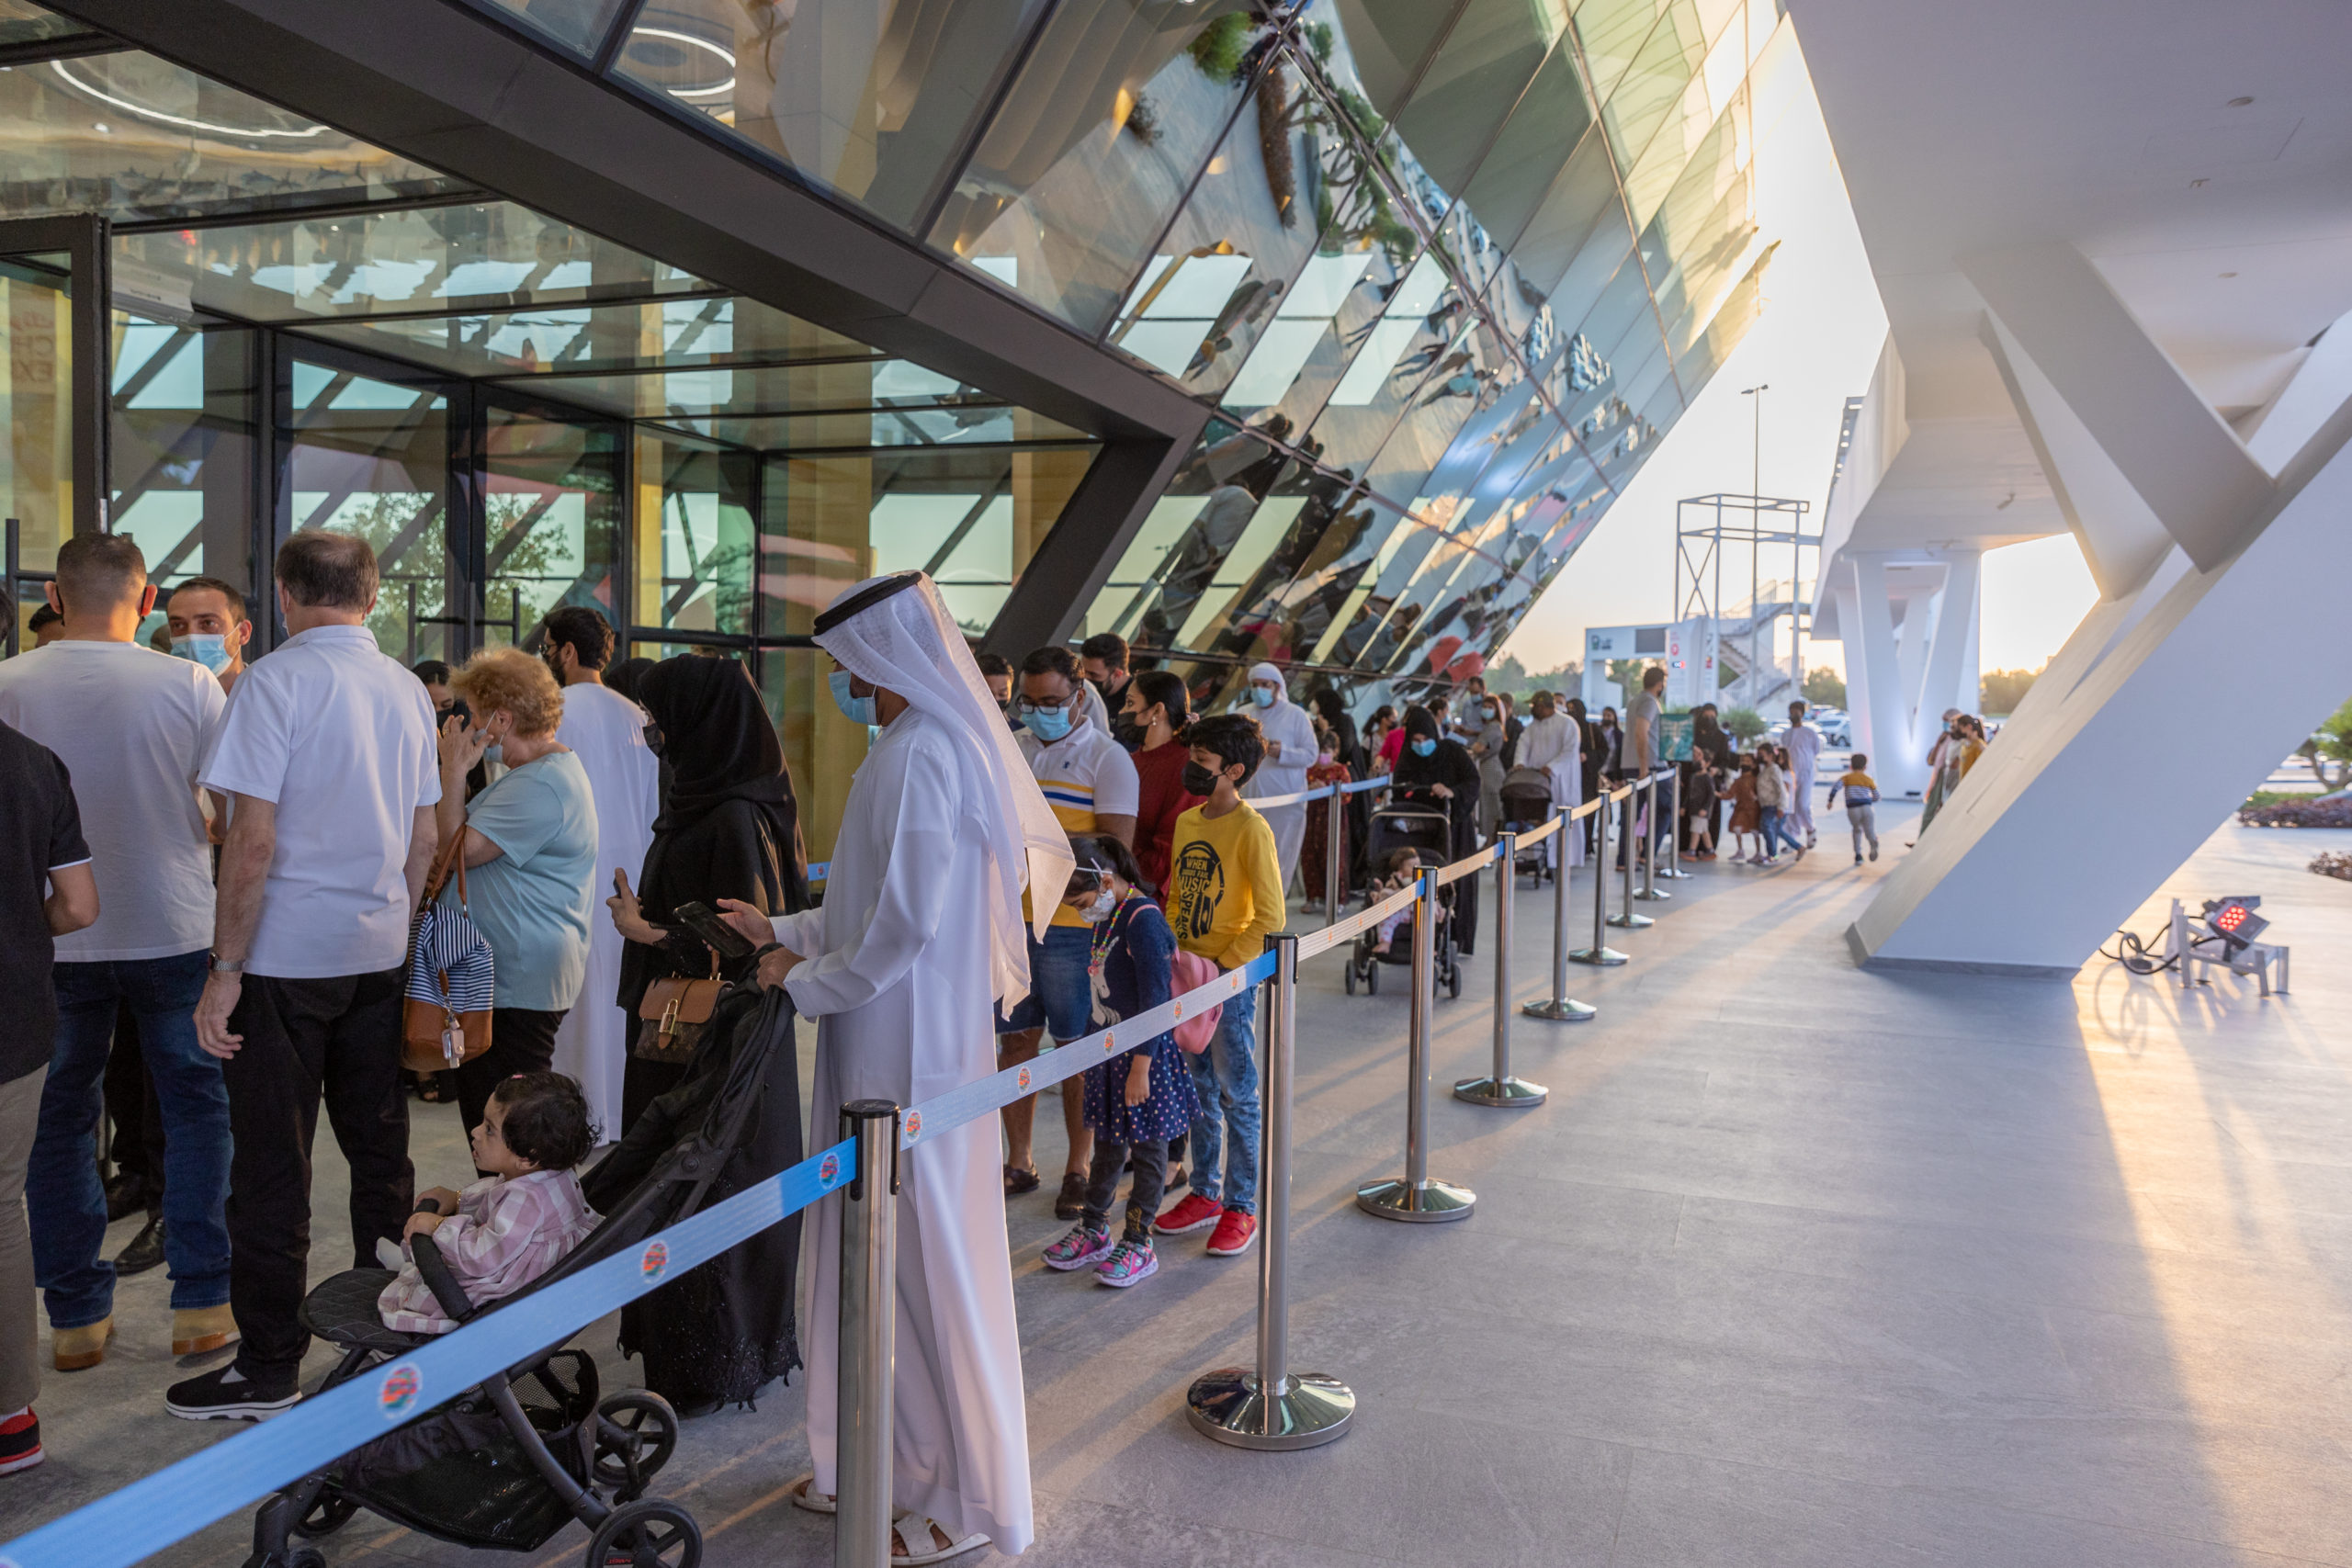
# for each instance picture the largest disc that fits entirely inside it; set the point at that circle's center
(1130, 1263)
(1081, 1246)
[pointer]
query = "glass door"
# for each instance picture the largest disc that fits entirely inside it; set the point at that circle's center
(53, 402)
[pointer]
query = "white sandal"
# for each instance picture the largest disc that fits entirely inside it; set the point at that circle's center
(914, 1535)
(804, 1494)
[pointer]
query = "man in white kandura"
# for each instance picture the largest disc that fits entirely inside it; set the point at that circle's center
(606, 732)
(1290, 751)
(1551, 745)
(921, 936)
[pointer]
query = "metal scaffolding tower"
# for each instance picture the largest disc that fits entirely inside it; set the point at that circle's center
(1706, 527)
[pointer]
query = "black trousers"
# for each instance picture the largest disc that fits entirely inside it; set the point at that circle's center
(336, 1039)
(1143, 1197)
(520, 1041)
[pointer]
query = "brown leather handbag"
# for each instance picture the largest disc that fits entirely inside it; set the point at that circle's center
(438, 1031)
(673, 1015)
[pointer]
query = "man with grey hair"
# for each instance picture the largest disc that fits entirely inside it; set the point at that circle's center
(328, 760)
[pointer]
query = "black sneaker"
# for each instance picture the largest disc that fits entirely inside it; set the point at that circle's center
(1071, 1202)
(145, 1251)
(227, 1394)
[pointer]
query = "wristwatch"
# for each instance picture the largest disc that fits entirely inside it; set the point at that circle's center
(220, 965)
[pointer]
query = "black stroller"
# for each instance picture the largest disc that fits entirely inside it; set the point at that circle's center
(514, 1459)
(1425, 829)
(1527, 805)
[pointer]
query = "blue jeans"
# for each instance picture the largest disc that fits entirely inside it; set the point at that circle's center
(1061, 995)
(67, 1203)
(1776, 828)
(1224, 1133)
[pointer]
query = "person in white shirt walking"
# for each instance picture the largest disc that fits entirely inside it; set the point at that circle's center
(132, 726)
(328, 759)
(606, 732)
(1802, 743)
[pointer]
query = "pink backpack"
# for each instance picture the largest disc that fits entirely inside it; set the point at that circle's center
(1186, 972)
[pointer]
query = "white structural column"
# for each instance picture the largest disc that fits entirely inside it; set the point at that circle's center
(1909, 620)
(2215, 647)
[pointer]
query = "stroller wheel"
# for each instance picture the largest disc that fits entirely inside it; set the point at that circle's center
(328, 1513)
(636, 1434)
(306, 1557)
(1371, 978)
(1454, 982)
(1351, 977)
(651, 1534)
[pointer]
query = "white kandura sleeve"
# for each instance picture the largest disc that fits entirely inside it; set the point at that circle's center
(801, 931)
(908, 907)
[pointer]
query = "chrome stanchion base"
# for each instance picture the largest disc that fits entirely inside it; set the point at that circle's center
(1561, 1011)
(1511, 1094)
(1652, 894)
(1230, 1405)
(1599, 957)
(1626, 921)
(1427, 1204)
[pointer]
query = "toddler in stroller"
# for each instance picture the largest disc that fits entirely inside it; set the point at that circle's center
(1526, 806)
(514, 1459)
(1425, 833)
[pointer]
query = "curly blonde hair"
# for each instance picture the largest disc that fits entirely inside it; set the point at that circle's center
(519, 682)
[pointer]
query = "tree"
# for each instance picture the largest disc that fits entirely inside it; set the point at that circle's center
(2334, 742)
(2002, 690)
(1744, 725)
(1824, 687)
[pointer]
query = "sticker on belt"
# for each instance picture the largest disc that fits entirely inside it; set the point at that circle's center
(914, 1125)
(829, 1169)
(1021, 1078)
(654, 1261)
(1107, 1042)
(400, 1391)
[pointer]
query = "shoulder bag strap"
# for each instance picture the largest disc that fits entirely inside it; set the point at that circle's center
(440, 876)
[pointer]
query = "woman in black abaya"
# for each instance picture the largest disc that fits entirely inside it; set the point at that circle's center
(1444, 774)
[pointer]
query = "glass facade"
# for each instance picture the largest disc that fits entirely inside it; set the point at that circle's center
(1443, 271)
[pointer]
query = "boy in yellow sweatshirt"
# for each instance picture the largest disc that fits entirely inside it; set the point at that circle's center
(1859, 793)
(1224, 897)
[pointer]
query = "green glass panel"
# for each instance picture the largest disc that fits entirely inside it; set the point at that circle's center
(1492, 50)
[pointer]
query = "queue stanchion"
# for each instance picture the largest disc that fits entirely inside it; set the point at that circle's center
(868, 1320)
(1415, 1196)
(1629, 827)
(1270, 1406)
(1600, 955)
(1331, 841)
(1650, 825)
(1500, 1086)
(1674, 833)
(1561, 1008)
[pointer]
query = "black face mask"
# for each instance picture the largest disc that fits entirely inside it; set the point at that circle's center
(1198, 780)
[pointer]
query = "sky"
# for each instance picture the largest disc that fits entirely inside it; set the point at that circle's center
(1814, 345)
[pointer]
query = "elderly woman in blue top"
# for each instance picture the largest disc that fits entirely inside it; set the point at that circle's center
(530, 854)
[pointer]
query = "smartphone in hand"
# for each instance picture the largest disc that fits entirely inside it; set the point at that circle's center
(705, 923)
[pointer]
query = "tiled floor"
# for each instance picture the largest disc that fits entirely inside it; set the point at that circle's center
(1800, 1265)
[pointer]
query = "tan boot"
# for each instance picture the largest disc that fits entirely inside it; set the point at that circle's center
(195, 1330)
(73, 1349)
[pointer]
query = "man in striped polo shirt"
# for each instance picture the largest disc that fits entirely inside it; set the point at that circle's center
(1089, 781)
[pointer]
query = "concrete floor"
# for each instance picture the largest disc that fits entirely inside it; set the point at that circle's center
(1799, 1265)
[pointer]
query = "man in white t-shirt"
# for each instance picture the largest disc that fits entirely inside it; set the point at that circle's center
(131, 724)
(606, 732)
(328, 759)
(1090, 781)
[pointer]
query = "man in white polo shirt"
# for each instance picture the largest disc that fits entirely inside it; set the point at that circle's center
(133, 725)
(1090, 781)
(328, 760)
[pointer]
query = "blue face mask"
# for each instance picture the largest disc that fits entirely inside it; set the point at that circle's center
(207, 648)
(1262, 695)
(1047, 725)
(857, 710)
(1423, 747)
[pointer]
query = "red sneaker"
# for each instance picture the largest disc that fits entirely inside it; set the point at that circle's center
(20, 1441)
(1235, 1232)
(1194, 1213)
